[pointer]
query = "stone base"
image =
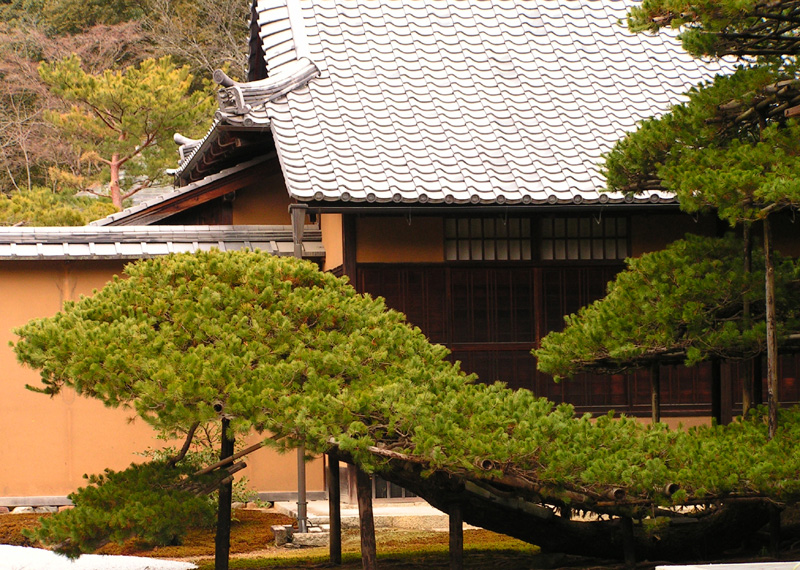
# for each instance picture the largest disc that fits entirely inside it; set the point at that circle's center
(283, 534)
(311, 538)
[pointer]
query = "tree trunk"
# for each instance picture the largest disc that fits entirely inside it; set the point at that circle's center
(655, 393)
(710, 533)
(369, 555)
(772, 339)
(334, 509)
(223, 539)
(456, 538)
(113, 186)
(748, 383)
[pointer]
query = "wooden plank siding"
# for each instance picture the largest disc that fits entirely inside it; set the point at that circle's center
(491, 315)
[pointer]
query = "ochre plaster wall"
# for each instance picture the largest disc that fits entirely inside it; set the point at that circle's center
(331, 226)
(680, 422)
(393, 239)
(49, 443)
(264, 203)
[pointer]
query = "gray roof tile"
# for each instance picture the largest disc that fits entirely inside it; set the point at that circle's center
(177, 192)
(457, 101)
(138, 242)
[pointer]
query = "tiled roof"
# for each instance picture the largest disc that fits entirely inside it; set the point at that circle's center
(119, 218)
(139, 242)
(460, 101)
(243, 105)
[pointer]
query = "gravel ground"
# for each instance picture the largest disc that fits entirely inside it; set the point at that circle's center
(24, 558)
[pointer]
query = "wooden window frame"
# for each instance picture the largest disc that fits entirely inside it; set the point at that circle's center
(584, 238)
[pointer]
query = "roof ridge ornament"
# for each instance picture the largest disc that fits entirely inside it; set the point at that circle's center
(237, 100)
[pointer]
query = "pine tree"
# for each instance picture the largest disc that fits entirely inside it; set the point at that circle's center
(276, 346)
(43, 207)
(122, 122)
(733, 146)
(680, 304)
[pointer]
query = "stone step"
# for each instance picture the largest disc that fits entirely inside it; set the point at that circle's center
(416, 515)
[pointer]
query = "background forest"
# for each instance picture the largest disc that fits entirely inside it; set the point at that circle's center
(47, 173)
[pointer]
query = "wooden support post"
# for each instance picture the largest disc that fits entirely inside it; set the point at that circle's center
(628, 546)
(456, 538)
(349, 247)
(655, 393)
(222, 542)
(775, 531)
(758, 382)
(334, 509)
(772, 336)
(716, 391)
(302, 502)
(726, 393)
(369, 555)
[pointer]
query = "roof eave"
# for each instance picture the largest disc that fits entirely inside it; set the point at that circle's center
(481, 209)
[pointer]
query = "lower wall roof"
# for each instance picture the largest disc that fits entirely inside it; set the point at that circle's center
(138, 242)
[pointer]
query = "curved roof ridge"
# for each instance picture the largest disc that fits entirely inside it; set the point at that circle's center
(245, 103)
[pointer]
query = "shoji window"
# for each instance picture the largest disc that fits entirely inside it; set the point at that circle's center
(488, 239)
(584, 238)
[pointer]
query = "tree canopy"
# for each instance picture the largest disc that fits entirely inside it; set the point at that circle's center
(732, 147)
(725, 27)
(729, 147)
(43, 207)
(122, 122)
(275, 345)
(683, 303)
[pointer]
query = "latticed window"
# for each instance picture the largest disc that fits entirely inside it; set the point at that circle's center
(488, 239)
(584, 238)
(560, 238)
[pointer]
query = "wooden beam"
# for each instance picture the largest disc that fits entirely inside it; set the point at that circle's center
(190, 199)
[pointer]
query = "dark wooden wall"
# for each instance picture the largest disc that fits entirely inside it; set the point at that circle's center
(491, 315)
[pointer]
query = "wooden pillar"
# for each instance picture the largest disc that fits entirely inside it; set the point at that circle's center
(775, 530)
(349, 247)
(456, 538)
(628, 545)
(369, 555)
(334, 509)
(302, 501)
(222, 542)
(726, 393)
(655, 393)
(298, 214)
(758, 382)
(716, 391)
